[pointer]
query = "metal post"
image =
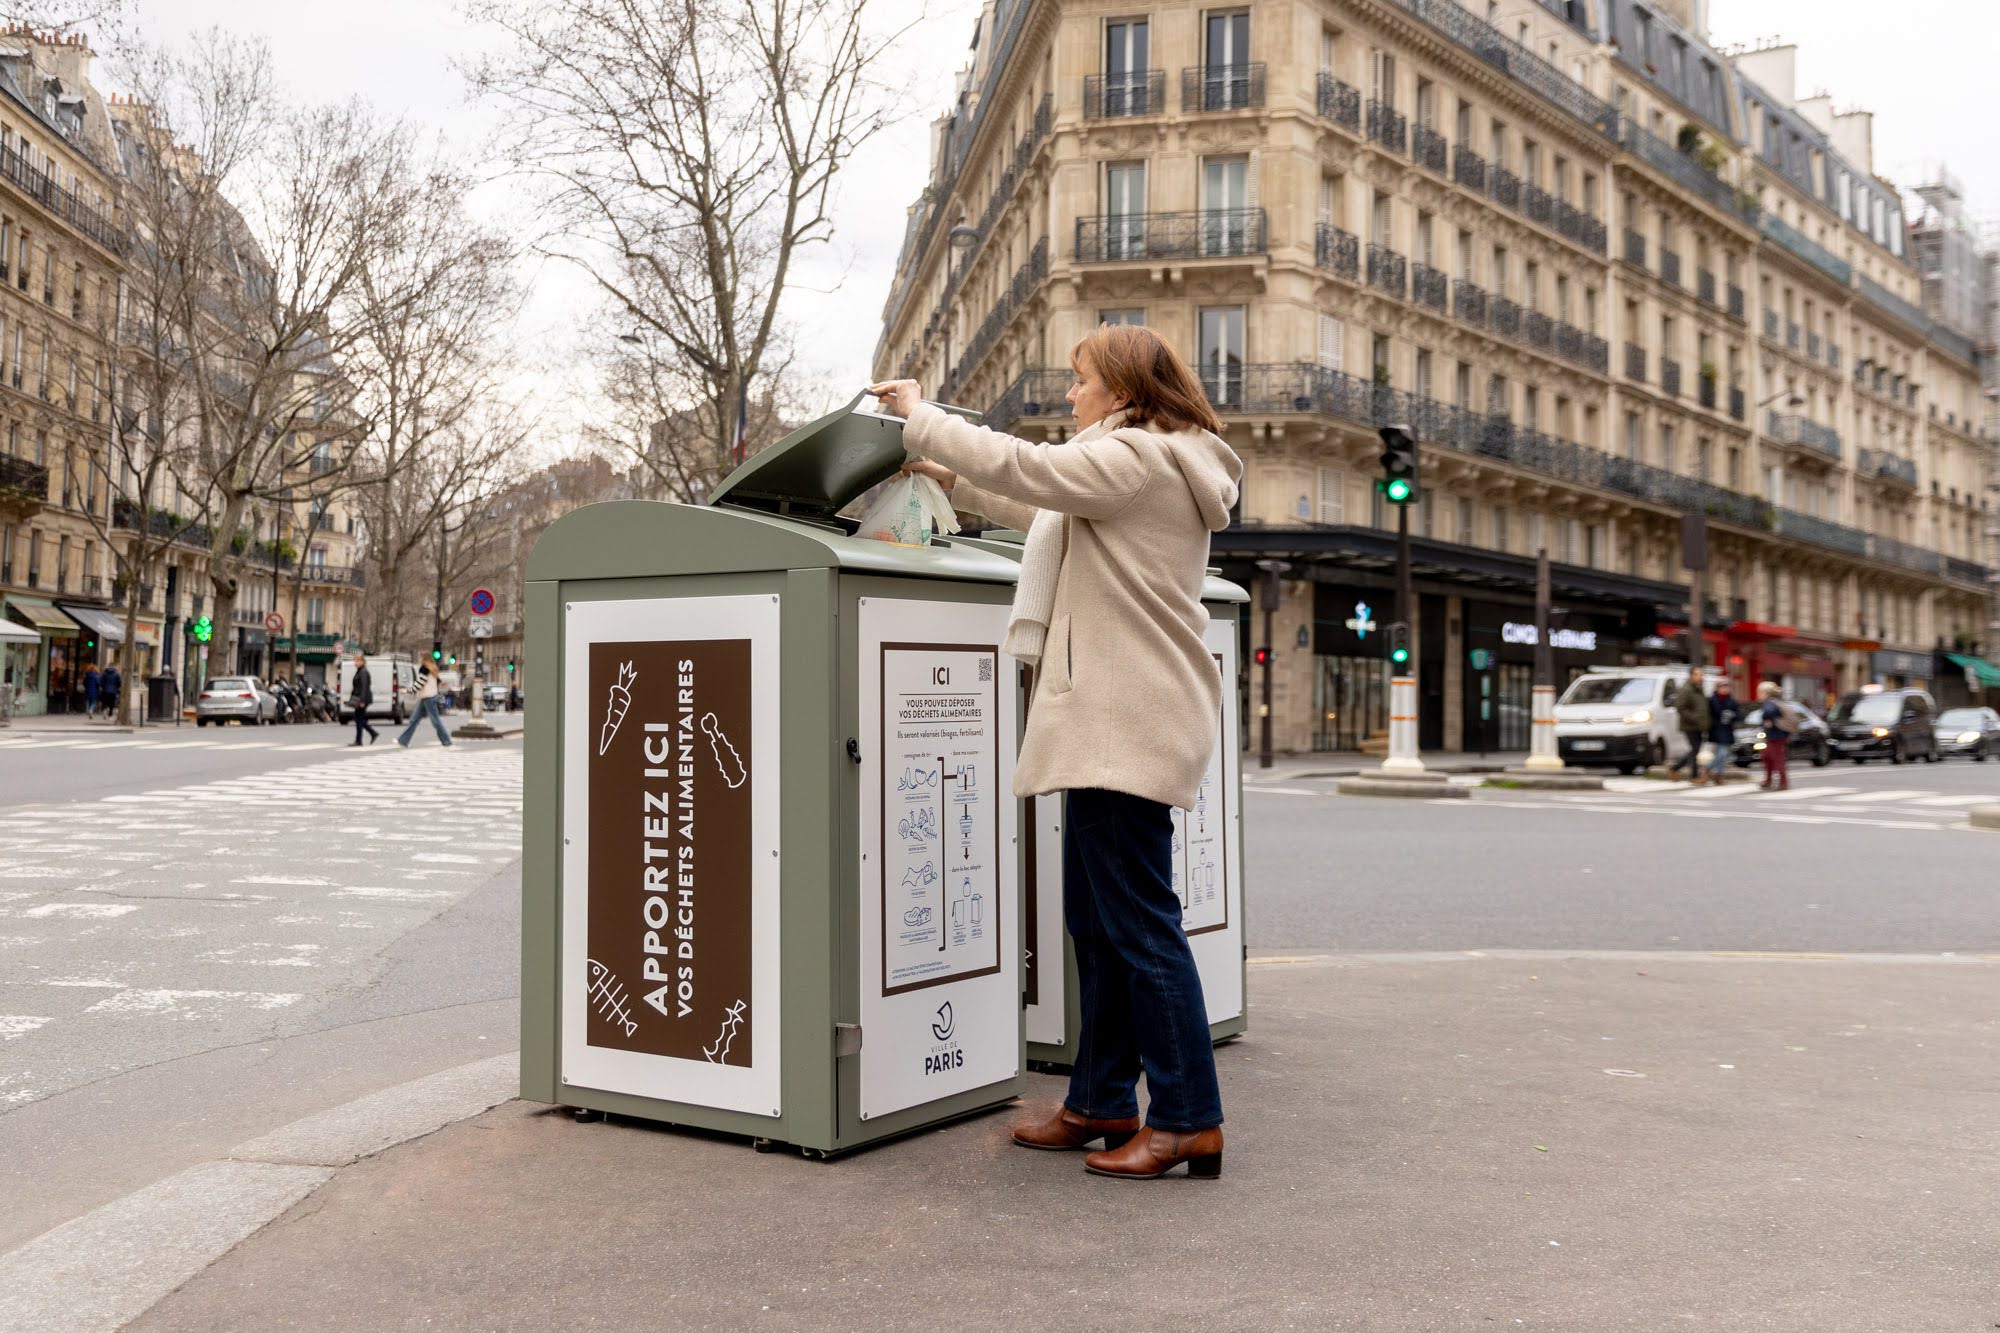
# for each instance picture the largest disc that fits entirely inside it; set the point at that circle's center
(1542, 755)
(1269, 594)
(1403, 757)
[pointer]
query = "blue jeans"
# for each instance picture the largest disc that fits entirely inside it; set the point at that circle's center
(1723, 752)
(1137, 987)
(426, 708)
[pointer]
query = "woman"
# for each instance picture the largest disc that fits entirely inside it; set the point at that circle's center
(1122, 717)
(1772, 713)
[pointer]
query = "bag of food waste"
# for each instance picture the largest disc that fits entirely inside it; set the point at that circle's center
(910, 511)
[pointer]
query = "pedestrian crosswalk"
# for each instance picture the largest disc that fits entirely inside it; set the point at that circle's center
(1805, 802)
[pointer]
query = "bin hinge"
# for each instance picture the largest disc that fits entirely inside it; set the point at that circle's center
(854, 749)
(847, 1039)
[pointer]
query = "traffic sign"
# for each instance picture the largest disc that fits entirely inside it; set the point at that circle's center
(274, 622)
(482, 627)
(482, 602)
(339, 647)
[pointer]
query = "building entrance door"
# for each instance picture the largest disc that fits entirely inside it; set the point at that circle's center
(1350, 701)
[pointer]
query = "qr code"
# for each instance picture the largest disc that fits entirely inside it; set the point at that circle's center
(985, 671)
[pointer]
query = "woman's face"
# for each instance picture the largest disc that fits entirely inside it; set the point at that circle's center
(1090, 401)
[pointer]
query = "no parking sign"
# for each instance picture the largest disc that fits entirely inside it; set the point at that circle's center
(482, 602)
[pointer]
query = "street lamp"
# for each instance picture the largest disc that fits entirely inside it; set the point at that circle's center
(962, 238)
(1792, 397)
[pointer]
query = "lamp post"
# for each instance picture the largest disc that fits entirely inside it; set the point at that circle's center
(962, 238)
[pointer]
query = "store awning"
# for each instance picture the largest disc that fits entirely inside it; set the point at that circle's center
(12, 633)
(1984, 671)
(43, 616)
(105, 625)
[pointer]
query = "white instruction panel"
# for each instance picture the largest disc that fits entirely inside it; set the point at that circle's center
(1208, 868)
(940, 949)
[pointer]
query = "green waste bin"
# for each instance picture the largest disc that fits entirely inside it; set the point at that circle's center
(771, 881)
(1208, 865)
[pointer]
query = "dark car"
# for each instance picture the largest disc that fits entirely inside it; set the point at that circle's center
(1874, 722)
(1973, 731)
(1812, 741)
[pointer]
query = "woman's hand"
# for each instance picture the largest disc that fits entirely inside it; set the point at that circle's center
(937, 472)
(899, 397)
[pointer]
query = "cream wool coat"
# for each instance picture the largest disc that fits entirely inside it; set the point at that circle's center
(1128, 696)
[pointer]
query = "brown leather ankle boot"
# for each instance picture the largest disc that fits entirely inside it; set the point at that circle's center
(1066, 1130)
(1154, 1152)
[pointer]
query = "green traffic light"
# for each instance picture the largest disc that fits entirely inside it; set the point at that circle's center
(1397, 490)
(1399, 656)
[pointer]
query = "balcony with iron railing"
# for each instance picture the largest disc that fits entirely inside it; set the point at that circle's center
(22, 481)
(1468, 169)
(1338, 252)
(1206, 234)
(1468, 301)
(1670, 267)
(1817, 255)
(1635, 247)
(1387, 270)
(1791, 428)
(1792, 336)
(1506, 316)
(1569, 342)
(1771, 325)
(1515, 60)
(1222, 87)
(1704, 390)
(1506, 187)
(1428, 148)
(1704, 286)
(1669, 160)
(1813, 346)
(1538, 330)
(1538, 205)
(1885, 466)
(1579, 226)
(1735, 301)
(65, 204)
(1135, 93)
(1833, 355)
(1635, 362)
(1430, 287)
(1670, 377)
(1387, 126)
(1340, 103)
(1736, 404)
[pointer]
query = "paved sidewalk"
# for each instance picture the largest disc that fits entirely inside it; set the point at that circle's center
(1345, 764)
(1589, 1143)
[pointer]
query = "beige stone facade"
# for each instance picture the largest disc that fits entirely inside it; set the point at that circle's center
(1599, 300)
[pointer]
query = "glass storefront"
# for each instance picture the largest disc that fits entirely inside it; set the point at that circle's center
(1350, 701)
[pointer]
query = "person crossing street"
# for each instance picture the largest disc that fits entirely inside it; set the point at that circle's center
(91, 689)
(360, 695)
(1779, 722)
(1724, 712)
(427, 706)
(1691, 707)
(111, 684)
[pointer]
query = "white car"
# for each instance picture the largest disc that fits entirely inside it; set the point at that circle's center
(1621, 717)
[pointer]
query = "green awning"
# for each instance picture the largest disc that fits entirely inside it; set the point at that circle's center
(1984, 671)
(42, 615)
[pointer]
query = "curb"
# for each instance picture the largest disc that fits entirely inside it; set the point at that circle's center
(1984, 816)
(98, 1272)
(1405, 788)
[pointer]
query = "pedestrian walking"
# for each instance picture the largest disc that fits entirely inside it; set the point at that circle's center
(1779, 723)
(1122, 715)
(1691, 707)
(359, 696)
(427, 707)
(111, 684)
(1724, 712)
(91, 684)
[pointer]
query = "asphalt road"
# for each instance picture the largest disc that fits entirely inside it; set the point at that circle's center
(1869, 858)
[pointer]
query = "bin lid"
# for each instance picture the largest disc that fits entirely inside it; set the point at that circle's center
(818, 469)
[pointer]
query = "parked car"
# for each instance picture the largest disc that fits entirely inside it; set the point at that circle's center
(1812, 742)
(493, 696)
(1875, 722)
(234, 699)
(1622, 717)
(1973, 731)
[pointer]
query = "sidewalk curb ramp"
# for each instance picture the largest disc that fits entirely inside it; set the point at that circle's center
(98, 1272)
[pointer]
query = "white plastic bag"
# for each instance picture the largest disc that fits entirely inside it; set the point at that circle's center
(909, 512)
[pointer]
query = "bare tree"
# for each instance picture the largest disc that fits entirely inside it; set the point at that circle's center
(688, 149)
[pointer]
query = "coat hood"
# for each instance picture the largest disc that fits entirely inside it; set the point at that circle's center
(1213, 471)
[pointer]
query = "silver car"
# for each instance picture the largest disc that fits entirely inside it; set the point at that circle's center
(235, 699)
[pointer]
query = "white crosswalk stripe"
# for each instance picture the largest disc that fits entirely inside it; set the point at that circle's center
(1877, 797)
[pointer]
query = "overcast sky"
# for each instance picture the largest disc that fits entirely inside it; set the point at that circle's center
(1927, 79)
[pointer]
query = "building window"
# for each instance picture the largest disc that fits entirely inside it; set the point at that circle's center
(1131, 315)
(1124, 210)
(1221, 354)
(1125, 66)
(1332, 495)
(1634, 442)
(1667, 448)
(1499, 528)
(1332, 342)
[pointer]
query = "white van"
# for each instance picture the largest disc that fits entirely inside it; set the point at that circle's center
(392, 676)
(1621, 717)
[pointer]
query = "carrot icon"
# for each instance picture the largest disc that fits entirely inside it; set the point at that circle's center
(615, 708)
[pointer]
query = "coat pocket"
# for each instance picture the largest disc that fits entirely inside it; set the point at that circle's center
(1056, 659)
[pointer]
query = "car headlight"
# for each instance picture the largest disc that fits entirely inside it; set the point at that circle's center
(1639, 715)
(1881, 731)
(1968, 738)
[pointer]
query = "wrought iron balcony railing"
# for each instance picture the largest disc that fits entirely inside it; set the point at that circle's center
(1635, 247)
(1135, 93)
(24, 478)
(1569, 342)
(1506, 316)
(1468, 301)
(1538, 205)
(1791, 428)
(1817, 255)
(1207, 234)
(1337, 251)
(1430, 287)
(1704, 286)
(1506, 186)
(1813, 345)
(1704, 391)
(1771, 325)
(1428, 148)
(1222, 87)
(1387, 126)
(1735, 301)
(1670, 267)
(1670, 378)
(1886, 467)
(1539, 330)
(1387, 270)
(1833, 355)
(1340, 102)
(1635, 362)
(1792, 336)
(1736, 407)
(1468, 168)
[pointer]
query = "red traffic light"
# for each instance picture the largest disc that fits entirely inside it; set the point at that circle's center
(1263, 656)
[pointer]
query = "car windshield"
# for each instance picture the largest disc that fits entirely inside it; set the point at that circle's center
(1875, 708)
(227, 683)
(1960, 717)
(1609, 690)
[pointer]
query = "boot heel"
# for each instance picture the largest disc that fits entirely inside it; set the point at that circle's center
(1208, 1168)
(1113, 1142)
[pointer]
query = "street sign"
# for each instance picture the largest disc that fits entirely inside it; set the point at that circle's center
(482, 627)
(482, 602)
(274, 622)
(339, 647)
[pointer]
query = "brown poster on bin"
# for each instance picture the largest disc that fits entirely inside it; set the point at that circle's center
(669, 933)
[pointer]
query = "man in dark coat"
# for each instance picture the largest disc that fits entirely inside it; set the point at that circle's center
(359, 696)
(1724, 714)
(1691, 708)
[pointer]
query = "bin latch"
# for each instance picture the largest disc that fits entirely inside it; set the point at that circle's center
(854, 749)
(846, 1039)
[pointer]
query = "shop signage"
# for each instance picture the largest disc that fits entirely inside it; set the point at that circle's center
(1575, 640)
(1361, 622)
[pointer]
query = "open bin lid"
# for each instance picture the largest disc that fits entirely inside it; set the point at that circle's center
(818, 469)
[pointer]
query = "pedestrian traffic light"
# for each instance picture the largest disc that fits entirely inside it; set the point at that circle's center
(1399, 465)
(510, 666)
(90, 643)
(1263, 656)
(437, 650)
(1399, 644)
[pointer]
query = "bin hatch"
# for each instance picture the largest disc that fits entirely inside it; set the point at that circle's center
(815, 471)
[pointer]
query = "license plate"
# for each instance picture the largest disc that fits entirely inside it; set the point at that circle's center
(1587, 745)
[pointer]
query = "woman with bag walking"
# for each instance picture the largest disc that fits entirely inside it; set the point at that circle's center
(1122, 716)
(1775, 714)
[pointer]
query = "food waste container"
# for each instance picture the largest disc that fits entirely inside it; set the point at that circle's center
(1207, 873)
(771, 881)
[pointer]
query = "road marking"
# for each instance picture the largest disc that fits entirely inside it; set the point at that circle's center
(1716, 793)
(1283, 791)
(19, 1025)
(186, 1003)
(81, 911)
(1955, 800)
(1892, 794)
(1803, 793)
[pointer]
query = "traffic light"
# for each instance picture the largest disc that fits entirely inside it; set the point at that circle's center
(90, 643)
(1399, 465)
(452, 660)
(437, 650)
(510, 666)
(1263, 656)
(1399, 644)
